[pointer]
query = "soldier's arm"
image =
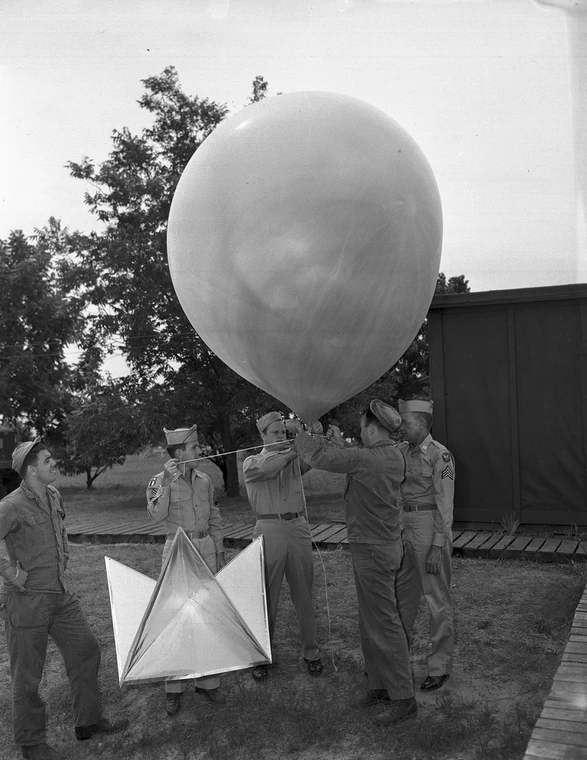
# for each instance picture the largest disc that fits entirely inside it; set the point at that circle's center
(444, 489)
(317, 452)
(9, 521)
(215, 521)
(158, 498)
(257, 468)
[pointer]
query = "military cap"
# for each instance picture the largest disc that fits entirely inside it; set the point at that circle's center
(386, 414)
(268, 419)
(415, 405)
(181, 435)
(20, 452)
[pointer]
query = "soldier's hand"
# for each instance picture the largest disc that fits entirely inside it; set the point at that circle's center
(335, 436)
(20, 577)
(433, 560)
(293, 427)
(171, 472)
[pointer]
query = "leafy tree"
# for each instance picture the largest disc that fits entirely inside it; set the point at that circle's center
(408, 378)
(124, 277)
(38, 318)
(99, 432)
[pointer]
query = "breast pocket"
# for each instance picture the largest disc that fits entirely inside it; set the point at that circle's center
(36, 529)
(420, 469)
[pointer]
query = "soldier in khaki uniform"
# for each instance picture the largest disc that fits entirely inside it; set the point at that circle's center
(182, 496)
(39, 603)
(427, 496)
(374, 472)
(274, 487)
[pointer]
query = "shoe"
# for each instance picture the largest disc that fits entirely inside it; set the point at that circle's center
(400, 710)
(103, 726)
(214, 695)
(40, 752)
(260, 672)
(371, 698)
(315, 667)
(434, 682)
(172, 702)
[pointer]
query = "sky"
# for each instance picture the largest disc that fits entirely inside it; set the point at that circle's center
(483, 86)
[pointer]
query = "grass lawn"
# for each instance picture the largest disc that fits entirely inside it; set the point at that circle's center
(512, 621)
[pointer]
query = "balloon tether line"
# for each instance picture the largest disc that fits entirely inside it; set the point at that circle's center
(323, 572)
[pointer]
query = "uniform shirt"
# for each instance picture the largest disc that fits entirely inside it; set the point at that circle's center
(34, 534)
(190, 505)
(274, 483)
(430, 479)
(372, 493)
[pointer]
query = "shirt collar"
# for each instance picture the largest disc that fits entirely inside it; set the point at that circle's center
(424, 445)
(383, 442)
(30, 493)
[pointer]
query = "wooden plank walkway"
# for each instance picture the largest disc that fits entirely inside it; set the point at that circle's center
(561, 730)
(466, 543)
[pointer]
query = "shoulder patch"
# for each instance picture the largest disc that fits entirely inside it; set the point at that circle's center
(447, 473)
(446, 457)
(154, 480)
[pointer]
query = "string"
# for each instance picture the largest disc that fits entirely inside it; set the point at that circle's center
(323, 570)
(236, 451)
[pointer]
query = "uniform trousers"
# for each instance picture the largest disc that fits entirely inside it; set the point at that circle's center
(287, 547)
(30, 619)
(418, 532)
(207, 551)
(383, 636)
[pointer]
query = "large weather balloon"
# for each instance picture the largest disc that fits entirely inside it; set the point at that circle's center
(304, 244)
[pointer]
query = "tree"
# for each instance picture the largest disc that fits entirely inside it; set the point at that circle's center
(98, 433)
(124, 277)
(408, 378)
(38, 318)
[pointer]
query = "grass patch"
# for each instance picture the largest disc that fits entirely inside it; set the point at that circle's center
(512, 620)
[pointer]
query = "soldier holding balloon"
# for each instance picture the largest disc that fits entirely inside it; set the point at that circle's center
(374, 472)
(275, 491)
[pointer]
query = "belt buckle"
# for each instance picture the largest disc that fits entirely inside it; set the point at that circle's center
(286, 516)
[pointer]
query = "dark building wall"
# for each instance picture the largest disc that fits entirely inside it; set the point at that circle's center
(509, 383)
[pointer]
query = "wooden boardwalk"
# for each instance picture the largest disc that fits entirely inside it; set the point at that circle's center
(467, 543)
(561, 730)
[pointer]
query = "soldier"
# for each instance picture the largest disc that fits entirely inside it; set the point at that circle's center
(274, 488)
(182, 496)
(427, 496)
(40, 604)
(372, 495)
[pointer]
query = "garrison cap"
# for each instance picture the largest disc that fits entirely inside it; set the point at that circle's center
(20, 452)
(415, 405)
(181, 435)
(268, 419)
(386, 414)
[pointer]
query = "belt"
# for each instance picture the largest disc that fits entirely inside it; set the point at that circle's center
(192, 534)
(282, 516)
(419, 507)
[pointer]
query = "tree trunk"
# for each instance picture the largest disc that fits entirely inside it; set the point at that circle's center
(231, 484)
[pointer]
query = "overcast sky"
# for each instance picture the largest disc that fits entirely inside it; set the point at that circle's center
(481, 85)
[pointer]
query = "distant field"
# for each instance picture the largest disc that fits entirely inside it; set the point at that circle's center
(122, 489)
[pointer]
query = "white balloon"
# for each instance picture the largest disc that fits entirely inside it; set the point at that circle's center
(304, 244)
